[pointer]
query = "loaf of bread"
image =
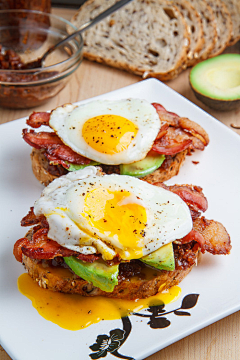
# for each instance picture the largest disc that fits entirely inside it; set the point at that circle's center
(155, 38)
(146, 37)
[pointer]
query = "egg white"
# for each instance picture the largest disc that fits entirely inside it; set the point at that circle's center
(68, 121)
(62, 202)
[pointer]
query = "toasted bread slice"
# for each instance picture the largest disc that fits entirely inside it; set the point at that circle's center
(63, 280)
(165, 172)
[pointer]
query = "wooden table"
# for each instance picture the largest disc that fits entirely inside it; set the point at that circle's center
(220, 340)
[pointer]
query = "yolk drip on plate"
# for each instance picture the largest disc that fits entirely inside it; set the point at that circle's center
(74, 312)
(109, 134)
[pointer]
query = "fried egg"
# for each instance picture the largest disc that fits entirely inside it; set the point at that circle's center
(108, 132)
(112, 214)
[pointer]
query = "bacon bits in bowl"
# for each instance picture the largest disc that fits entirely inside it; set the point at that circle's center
(24, 37)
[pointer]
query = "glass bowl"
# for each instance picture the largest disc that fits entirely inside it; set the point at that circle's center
(24, 36)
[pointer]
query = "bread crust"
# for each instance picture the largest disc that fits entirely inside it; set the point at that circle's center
(63, 280)
(160, 175)
(38, 168)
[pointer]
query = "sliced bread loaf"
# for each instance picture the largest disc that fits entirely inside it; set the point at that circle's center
(209, 28)
(195, 27)
(224, 26)
(146, 37)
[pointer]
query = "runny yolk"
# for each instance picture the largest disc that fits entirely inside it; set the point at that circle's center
(109, 134)
(75, 312)
(119, 215)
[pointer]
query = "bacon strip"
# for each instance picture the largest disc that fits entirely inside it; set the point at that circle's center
(193, 235)
(32, 219)
(40, 247)
(216, 239)
(37, 119)
(210, 235)
(172, 148)
(192, 195)
(180, 130)
(53, 146)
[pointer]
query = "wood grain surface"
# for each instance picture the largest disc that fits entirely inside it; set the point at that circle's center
(221, 340)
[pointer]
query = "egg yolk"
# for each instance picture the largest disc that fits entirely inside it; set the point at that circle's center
(117, 215)
(74, 312)
(109, 134)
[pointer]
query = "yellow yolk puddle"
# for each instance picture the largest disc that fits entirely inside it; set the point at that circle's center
(74, 312)
(109, 134)
(115, 213)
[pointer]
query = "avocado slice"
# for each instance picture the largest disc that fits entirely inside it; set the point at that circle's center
(162, 259)
(216, 81)
(75, 167)
(143, 167)
(98, 273)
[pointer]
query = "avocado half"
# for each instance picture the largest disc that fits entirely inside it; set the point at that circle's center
(216, 81)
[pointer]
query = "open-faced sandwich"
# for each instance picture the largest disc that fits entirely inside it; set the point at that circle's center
(115, 235)
(128, 137)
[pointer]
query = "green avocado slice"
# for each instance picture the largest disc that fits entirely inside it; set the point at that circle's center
(216, 81)
(98, 273)
(162, 259)
(143, 167)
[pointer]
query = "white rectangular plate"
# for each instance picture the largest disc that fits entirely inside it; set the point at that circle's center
(25, 335)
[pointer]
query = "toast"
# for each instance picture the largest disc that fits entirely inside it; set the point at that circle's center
(63, 280)
(44, 175)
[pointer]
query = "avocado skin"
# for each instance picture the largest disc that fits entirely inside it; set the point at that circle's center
(162, 259)
(219, 102)
(143, 167)
(220, 105)
(98, 273)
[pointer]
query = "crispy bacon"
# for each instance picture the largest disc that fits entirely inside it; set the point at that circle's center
(32, 219)
(37, 119)
(216, 238)
(193, 236)
(210, 235)
(172, 148)
(41, 140)
(41, 247)
(53, 146)
(54, 160)
(192, 195)
(17, 249)
(181, 134)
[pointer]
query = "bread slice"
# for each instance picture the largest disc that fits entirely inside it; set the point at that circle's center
(195, 27)
(224, 26)
(63, 280)
(146, 37)
(209, 28)
(171, 168)
(233, 7)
